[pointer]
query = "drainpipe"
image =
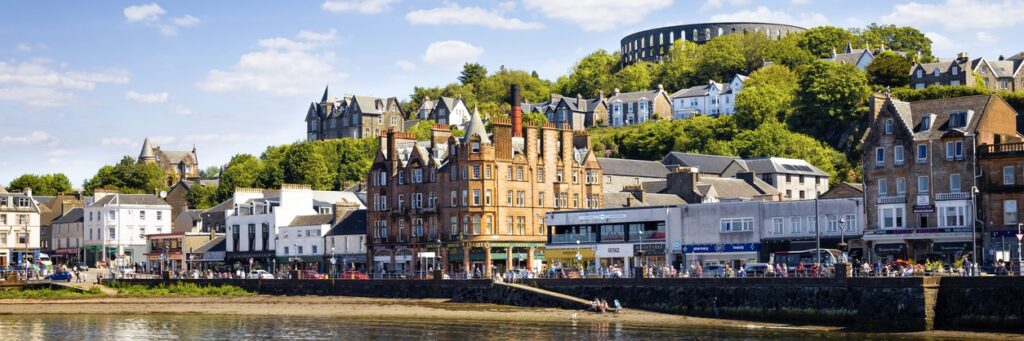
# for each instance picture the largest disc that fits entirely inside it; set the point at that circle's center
(974, 203)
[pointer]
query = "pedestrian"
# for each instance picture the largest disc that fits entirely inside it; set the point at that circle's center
(77, 279)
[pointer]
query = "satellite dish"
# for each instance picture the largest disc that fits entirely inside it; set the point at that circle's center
(163, 194)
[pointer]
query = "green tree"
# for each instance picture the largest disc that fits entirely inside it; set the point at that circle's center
(303, 164)
(830, 102)
(422, 129)
(821, 41)
(201, 197)
(775, 140)
(635, 77)
(678, 69)
(720, 59)
(534, 118)
(889, 69)
(271, 172)
(242, 171)
(472, 74)
(897, 38)
(767, 96)
(209, 173)
(128, 176)
(787, 51)
(44, 184)
(355, 158)
(590, 75)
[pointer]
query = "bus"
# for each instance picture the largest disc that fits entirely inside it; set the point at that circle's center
(792, 259)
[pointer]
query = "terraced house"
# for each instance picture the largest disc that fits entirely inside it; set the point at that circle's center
(478, 202)
(919, 171)
(352, 116)
(629, 108)
(19, 227)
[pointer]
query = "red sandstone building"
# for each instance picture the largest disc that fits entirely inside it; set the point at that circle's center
(476, 203)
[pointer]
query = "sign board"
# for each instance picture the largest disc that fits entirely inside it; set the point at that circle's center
(649, 248)
(426, 254)
(922, 200)
(614, 251)
(889, 249)
(950, 247)
(719, 248)
(1020, 236)
(924, 208)
(601, 217)
(676, 245)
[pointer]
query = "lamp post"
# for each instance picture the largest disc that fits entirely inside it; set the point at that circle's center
(579, 257)
(817, 229)
(842, 238)
(974, 228)
(333, 261)
(1020, 237)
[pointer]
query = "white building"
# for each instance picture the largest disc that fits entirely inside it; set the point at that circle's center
(19, 227)
(253, 222)
(302, 241)
(116, 226)
(346, 241)
(711, 99)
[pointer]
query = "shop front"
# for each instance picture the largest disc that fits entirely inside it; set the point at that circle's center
(69, 256)
(1003, 245)
(615, 255)
(578, 258)
(734, 255)
(920, 245)
(251, 260)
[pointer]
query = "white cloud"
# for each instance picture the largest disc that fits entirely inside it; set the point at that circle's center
(714, 4)
(283, 67)
(155, 97)
(456, 15)
(959, 14)
(185, 21)
(34, 83)
(507, 5)
(405, 65)
(116, 141)
(36, 138)
(597, 15)
(942, 45)
(451, 53)
(148, 12)
(763, 14)
(162, 139)
(24, 47)
(359, 6)
(317, 36)
(987, 38)
(179, 109)
(799, 2)
(57, 156)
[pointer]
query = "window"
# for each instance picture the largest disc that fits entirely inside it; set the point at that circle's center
(1010, 212)
(508, 176)
(954, 150)
(926, 122)
(159, 216)
(898, 155)
(417, 175)
(954, 70)
(476, 197)
(314, 249)
(487, 172)
(954, 183)
(958, 120)
(520, 198)
(487, 197)
(777, 225)
(953, 216)
(920, 74)
(892, 217)
(794, 225)
(476, 224)
(883, 187)
(519, 173)
(558, 175)
(112, 233)
(453, 229)
(922, 153)
(1008, 176)
(488, 224)
(142, 214)
(833, 223)
(812, 224)
(540, 199)
(454, 199)
(540, 174)
(901, 186)
(508, 198)
(465, 198)
(401, 177)
(476, 171)
(888, 126)
(922, 184)
(737, 225)
(879, 158)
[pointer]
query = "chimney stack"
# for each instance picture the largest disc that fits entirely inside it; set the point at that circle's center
(517, 111)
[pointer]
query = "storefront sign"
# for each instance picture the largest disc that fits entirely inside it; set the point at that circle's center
(568, 253)
(889, 249)
(950, 247)
(923, 200)
(614, 251)
(1003, 234)
(719, 248)
(601, 217)
(924, 208)
(649, 248)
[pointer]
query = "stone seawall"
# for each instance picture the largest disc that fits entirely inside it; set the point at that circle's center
(891, 304)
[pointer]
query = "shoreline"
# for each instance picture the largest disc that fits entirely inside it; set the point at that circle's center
(361, 308)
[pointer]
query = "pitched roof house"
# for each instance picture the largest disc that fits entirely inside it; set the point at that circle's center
(710, 99)
(628, 108)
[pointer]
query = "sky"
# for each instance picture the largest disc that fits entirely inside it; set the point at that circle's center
(82, 83)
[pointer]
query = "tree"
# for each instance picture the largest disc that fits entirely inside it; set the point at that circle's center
(44, 184)
(787, 51)
(679, 66)
(422, 129)
(209, 173)
(904, 39)
(242, 171)
(767, 96)
(128, 176)
(821, 41)
(271, 172)
(304, 165)
(720, 59)
(889, 69)
(590, 75)
(472, 73)
(201, 197)
(534, 118)
(830, 101)
(635, 77)
(355, 159)
(775, 140)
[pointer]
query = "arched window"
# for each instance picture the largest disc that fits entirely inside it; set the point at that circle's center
(682, 34)
(694, 36)
(661, 39)
(651, 40)
(768, 33)
(707, 34)
(643, 43)
(720, 32)
(672, 37)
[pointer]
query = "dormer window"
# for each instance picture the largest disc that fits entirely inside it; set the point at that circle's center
(935, 72)
(888, 126)
(920, 74)
(476, 147)
(926, 122)
(955, 70)
(958, 120)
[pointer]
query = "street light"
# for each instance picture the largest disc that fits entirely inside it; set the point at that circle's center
(1020, 237)
(333, 261)
(974, 228)
(842, 238)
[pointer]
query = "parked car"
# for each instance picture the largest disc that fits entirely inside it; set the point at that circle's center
(310, 274)
(353, 274)
(520, 273)
(758, 269)
(260, 274)
(714, 271)
(82, 266)
(60, 276)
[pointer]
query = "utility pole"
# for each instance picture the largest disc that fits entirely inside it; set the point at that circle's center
(817, 229)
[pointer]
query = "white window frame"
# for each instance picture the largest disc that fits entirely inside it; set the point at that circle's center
(1009, 175)
(1010, 212)
(897, 153)
(923, 186)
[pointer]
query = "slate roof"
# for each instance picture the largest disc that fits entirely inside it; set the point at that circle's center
(129, 199)
(912, 112)
(312, 220)
(352, 224)
(224, 206)
(769, 165)
(634, 96)
(636, 168)
(476, 127)
(622, 199)
(213, 245)
(1005, 68)
(707, 164)
(732, 188)
(696, 91)
(73, 216)
(367, 104)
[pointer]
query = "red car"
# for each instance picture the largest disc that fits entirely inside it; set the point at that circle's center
(310, 274)
(353, 274)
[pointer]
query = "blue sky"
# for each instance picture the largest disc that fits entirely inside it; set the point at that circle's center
(82, 83)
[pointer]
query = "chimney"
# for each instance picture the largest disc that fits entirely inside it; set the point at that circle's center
(342, 209)
(600, 94)
(875, 104)
(392, 149)
(28, 191)
(501, 129)
(439, 135)
(635, 191)
(517, 111)
(683, 182)
(581, 104)
(581, 140)
(616, 92)
(747, 177)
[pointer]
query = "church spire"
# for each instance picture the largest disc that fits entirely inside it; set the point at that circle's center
(327, 94)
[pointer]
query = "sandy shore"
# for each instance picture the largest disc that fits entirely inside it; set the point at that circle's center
(375, 308)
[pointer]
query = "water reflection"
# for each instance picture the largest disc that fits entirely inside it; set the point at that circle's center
(218, 327)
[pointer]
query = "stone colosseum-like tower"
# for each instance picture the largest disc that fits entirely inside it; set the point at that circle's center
(652, 44)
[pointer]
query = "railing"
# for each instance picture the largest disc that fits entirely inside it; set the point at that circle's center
(1001, 149)
(952, 196)
(895, 199)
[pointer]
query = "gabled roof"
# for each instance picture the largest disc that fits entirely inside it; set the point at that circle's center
(1004, 68)
(312, 220)
(367, 104)
(129, 199)
(708, 164)
(352, 224)
(732, 188)
(216, 244)
(73, 216)
(942, 109)
(635, 168)
(771, 165)
(636, 95)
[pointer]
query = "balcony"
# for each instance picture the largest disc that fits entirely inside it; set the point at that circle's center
(895, 199)
(1003, 149)
(952, 196)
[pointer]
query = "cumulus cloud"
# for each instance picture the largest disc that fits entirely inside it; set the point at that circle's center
(715, 4)
(959, 14)
(283, 66)
(147, 12)
(942, 45)
(597, 15)
(154, 97)
(115, 141)
(454, 14)
(152, 15)
(36, 138)
(763, 14)
(358, 6)
(317, 36)
(987, 38)
(405, 65)
(451, 54)
(36, 84)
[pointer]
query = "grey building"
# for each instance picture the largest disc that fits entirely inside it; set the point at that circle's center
(796, 179)
(67, 234)
(619, 173)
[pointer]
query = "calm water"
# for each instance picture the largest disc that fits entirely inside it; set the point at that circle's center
(193, 327)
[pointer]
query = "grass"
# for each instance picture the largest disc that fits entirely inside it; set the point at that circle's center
(177, 289)
(49, 293)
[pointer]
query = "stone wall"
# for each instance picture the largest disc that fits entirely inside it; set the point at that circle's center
(981, 303)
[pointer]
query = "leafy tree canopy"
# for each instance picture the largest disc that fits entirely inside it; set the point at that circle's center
(128, 176)
(42, 184)
(889, 69)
